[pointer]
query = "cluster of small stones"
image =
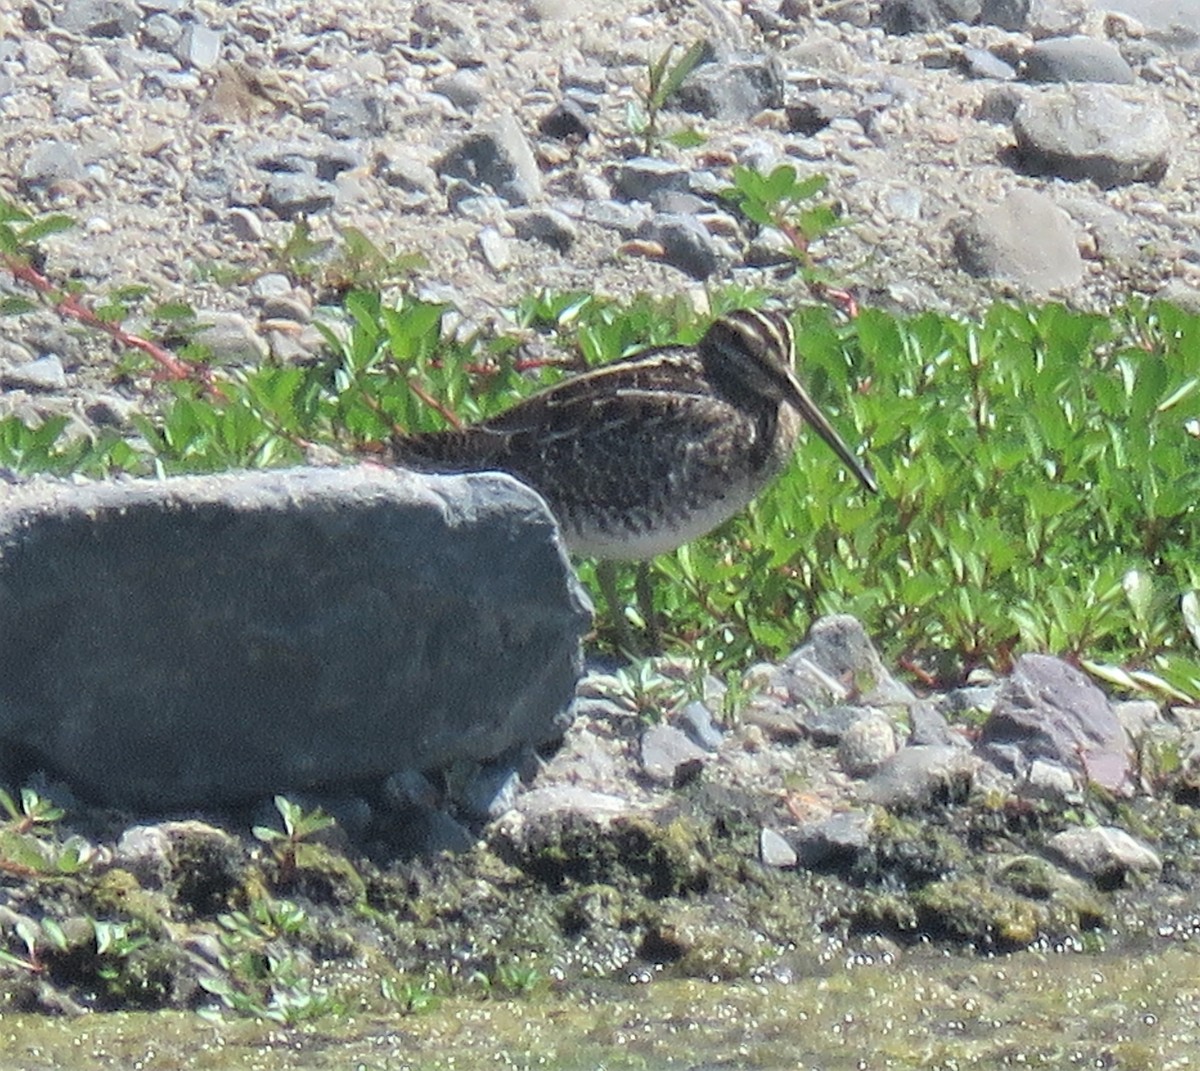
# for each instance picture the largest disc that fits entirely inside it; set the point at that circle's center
(830, 815)
(1028, 147)
(828, 741)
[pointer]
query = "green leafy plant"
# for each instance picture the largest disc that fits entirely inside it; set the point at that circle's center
(1040, 467)
(266, 919)
(277, 988)
(33, 814)
(259, 976)
(347, 261)
(37, 938)
(21, 255)
(510, 979)
(790, 204)
(30, 855)
(410, 995)
(291, 847)
(663, 79)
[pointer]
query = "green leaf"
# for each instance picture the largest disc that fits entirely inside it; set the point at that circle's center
(685, 139)
(679, 72)
(44, 227)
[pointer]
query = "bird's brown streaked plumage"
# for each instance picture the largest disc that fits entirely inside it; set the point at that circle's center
(645, 454)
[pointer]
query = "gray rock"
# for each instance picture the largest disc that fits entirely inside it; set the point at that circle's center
(838, 840)
(566, 121)
(685, 243)
(1026, 240)
(1094, 132)
(626, 220)
(734, 89)
(99, 18)
(408, 788)
(668, 756)
(557, 801)
(289, 194)
(213, 184)
(928, 725)
(440, 20)
(922, 16)
(496, 249)
(1007, 14)
(244, 225)
(1050, 780)
(641, 178)
(355, 113)
(229, 338)
(678, 202)
(199, 46)
(999, 105)
(199, 641)
(491, 790)
(323, 158)
(828, 725)
(867, 744)
(809, 117)
(161, 32)
(971, 698)
(1174, 22)
(45, 373)
(545, 225)
(1049, 710)
(466, 90)
(1106, 854)
(90, 64)
(980, 63)
(294, 305)
(775, 851)
(73, 101)
(838, 662)
(499, 158)
(332, 159)
(204, 863)
(697, 721)
(1076, 59)
(402, 171)
(48, 164)
(916, 777)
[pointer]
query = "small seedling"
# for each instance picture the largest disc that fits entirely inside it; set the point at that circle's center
(351, 261)
(663, 79)
(511, 979)
(36, 937)
(34, 813)
(788, 203)
(290, 847)
(409, 995)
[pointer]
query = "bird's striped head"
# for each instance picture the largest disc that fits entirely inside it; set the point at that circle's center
(752, 352)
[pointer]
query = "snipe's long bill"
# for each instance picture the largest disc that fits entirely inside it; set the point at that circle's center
(647, 453)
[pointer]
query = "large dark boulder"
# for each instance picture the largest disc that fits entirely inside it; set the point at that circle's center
(204, 640)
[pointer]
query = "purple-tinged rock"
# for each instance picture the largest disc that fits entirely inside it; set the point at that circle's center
(1049, 710)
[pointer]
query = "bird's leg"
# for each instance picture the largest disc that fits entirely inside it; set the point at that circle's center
(645, 598)
(606, 575)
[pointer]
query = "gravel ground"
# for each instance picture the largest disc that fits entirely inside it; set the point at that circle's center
(188, 139)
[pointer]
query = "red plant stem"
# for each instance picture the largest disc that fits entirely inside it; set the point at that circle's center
(68, 305)
(450, 417)
(843, 299)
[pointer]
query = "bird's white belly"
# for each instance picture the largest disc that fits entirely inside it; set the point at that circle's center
(661, 536)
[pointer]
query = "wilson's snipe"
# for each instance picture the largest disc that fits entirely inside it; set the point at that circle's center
(640, 456)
